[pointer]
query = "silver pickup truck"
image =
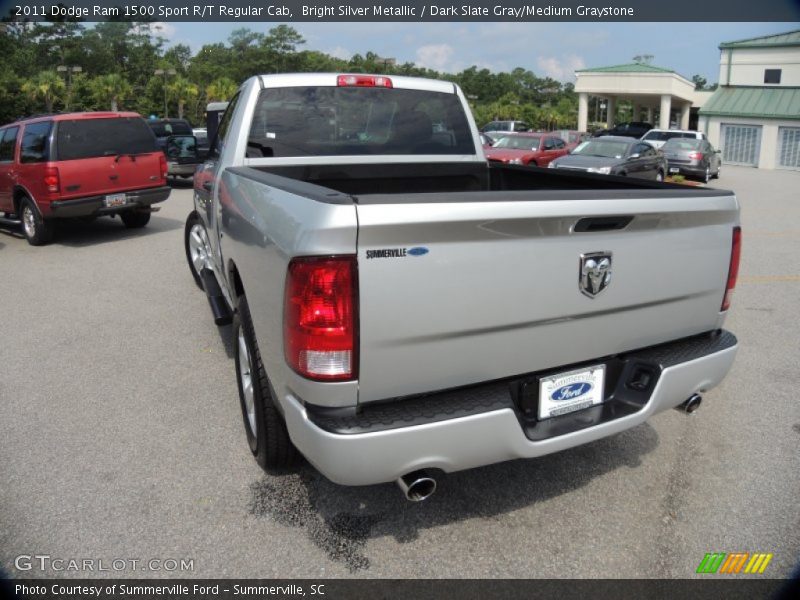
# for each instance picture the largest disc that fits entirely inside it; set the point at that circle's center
(402, 308)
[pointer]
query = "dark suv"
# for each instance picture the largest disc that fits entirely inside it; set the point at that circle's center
(79, 165)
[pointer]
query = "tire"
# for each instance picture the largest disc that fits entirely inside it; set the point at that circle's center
(196, 246)
(264, 426)
(707, 175)
(659, 176)
(135, 219)
(716, 175)
(37, 231)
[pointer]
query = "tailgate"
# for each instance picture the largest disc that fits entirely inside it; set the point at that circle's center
(498, 291)
(108, 174)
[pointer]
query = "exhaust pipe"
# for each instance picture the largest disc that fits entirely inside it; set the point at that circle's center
(417, 486)
(690, 405)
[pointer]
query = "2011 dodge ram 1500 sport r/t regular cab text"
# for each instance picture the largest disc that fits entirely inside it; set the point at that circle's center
(402, 307)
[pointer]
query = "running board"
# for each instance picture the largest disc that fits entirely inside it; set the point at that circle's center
(219, 307)
(9, 221)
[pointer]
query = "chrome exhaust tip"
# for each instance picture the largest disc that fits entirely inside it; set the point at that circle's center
(691, 404)
(417, 485)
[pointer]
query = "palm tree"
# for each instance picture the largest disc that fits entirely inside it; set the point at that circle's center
(46, 86)
(183, 91)
(221, 90)
(110, 90)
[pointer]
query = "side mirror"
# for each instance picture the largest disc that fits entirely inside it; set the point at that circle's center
(181, 146)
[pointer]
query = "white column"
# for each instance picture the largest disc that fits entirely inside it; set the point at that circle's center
(650, 115)
(611, 105)
(685, 108)
(637, 112)
(666, 107)
(583, 111)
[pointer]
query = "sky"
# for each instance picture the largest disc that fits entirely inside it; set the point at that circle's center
(546, 49)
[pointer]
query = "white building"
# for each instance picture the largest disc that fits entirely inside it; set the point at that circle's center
(754, 115)
(659, 96)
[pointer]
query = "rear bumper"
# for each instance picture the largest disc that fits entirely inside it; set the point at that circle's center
(693, 170)
(484, 424)
(184, 170)
(95, 205)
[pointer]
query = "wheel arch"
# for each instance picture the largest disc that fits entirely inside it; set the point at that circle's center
(235, 280)
(20, 192)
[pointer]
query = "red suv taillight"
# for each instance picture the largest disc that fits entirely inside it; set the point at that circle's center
(320, 316)
(162, 164)
(52, 180)
(733, 269)
(696, 155)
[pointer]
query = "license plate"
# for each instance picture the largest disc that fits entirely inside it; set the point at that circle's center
(115, 200)
(674, 169)
(570, 391)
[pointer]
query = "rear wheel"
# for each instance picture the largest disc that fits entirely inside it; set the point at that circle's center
(266, 430)
(37, 230)
(135, 219)
(716, 175)
(660, 176)
(197, 246)
(707, 175)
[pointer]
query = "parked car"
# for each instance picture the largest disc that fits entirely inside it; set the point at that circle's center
(179, 144)
(398, 307)
(505, 127)
(79, 165)
(573, 138)
(659, 137)
(634, 129)
(615, 155)
(695, 158)
(534, 149)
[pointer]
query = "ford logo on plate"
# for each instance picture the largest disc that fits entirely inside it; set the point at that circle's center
(418, 251)
(571, 391)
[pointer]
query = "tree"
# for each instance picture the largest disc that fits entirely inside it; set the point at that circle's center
(700, 82)
(183, 91)
(46, 86)
(221, 90)
(110, 90)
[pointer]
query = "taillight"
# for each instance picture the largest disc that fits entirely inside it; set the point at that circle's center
(162, 164)
(733, 269)
(320, 320)
(696, 155)
(363, 81)
(51, 179)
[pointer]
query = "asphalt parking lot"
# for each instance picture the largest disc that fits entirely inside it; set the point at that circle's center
(121, 437)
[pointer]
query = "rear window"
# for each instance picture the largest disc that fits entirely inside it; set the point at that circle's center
(342, 121)
(89, 138)
(171, 128)
(683, 144)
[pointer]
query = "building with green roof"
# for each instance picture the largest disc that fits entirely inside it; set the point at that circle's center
(658, 95)
(754, 115)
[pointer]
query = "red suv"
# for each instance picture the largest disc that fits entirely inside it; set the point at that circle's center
(79, 165)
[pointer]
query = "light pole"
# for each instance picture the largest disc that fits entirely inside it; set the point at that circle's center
(69, 70)
(165, 73)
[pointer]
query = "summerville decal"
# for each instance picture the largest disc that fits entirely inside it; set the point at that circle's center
(397, 252)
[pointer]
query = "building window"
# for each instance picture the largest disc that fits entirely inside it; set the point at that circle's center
(772, 76)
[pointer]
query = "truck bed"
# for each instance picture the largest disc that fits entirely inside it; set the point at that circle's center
(496, 292)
